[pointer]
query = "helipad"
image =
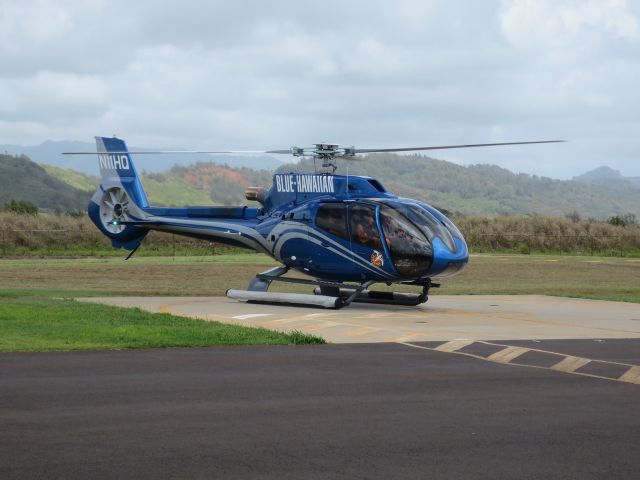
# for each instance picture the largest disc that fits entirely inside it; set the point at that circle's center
(444, 317)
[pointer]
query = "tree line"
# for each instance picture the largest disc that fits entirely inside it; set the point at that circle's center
(23, 233)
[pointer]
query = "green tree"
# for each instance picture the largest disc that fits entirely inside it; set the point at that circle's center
(21, 207)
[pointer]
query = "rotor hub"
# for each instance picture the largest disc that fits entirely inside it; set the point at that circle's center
(327, 153)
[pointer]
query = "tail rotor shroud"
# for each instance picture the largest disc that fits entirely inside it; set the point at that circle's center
(114, 209)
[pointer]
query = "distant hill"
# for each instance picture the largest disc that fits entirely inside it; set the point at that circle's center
(469, 190)
(78, 180)
(22, 179)
(49, 152)
(489, 189)
(198, 184)
(213, 183)
(607, 176)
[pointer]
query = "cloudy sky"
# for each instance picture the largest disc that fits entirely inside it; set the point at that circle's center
(256, 74)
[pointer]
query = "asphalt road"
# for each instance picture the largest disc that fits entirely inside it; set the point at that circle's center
(333, 411)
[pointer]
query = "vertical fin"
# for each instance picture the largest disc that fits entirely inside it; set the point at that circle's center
(116, 166)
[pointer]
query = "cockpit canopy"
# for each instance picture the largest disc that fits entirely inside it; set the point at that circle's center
(404, 230)
(410, 250)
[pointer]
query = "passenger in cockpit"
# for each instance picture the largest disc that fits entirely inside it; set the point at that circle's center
(366, 232)
(335, 223)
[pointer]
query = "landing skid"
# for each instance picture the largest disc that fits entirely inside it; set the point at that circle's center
(327, 294)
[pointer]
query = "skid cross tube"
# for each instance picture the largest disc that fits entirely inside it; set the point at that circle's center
(387, 298)
(327, 294)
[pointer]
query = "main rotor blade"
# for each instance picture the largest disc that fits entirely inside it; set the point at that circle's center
(349, 152)
(443, 147)
(159, 152)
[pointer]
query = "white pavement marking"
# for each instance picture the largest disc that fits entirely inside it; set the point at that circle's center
(251, 315)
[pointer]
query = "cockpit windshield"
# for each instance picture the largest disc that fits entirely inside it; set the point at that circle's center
(410, 250)
(431, 225)
(428, 224)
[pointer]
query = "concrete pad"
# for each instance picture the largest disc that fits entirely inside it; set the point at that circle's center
(444, 317)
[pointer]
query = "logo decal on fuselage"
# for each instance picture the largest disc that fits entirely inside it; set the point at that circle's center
(304, 183)
(377, 259)
(111, 161)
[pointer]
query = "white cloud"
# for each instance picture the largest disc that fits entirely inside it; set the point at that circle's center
(547, 23)
(32, 23)
(252, 74)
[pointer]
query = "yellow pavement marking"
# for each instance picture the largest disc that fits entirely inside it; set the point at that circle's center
(404, 338)
(507, 354)
(595, 261)
(166, 308)
(550, 260)
(216, 318)
(361, 331)
(454, 345)
(374, 315)
(635, 260)
(632, 375)
(319, 326)
(282, 321)
(570, 364)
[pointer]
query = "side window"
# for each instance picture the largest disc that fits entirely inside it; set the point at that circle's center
(331, 218)
(362, 224)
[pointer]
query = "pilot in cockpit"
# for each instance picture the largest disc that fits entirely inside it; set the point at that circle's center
(366, 232)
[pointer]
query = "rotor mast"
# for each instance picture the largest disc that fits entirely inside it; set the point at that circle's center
(327, 153)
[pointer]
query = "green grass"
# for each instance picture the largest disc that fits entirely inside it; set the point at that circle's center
(73, 178)
(598, 278)
(604, 278)
(56, 324)
(34, 316)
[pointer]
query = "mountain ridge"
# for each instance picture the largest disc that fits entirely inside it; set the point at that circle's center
(605, 175)
(469, 190)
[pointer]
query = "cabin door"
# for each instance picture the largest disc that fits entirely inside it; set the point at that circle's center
(364, 235)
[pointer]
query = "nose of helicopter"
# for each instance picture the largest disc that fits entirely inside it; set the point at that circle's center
(447, 263)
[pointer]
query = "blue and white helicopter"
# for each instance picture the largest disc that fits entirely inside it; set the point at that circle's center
(344, 232)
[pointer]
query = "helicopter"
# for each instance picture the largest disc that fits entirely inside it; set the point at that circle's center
(344, 233)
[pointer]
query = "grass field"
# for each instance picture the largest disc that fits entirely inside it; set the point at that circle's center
(589, 277)
(56, 324)
(34, 314)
